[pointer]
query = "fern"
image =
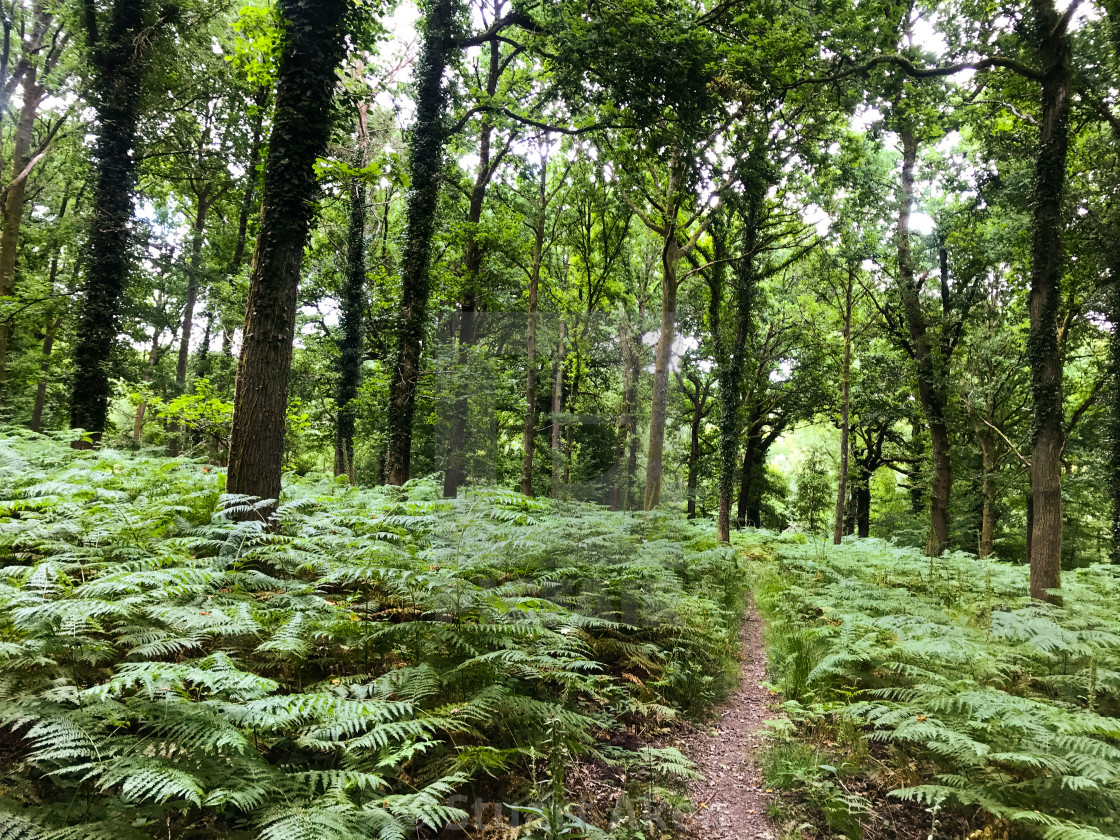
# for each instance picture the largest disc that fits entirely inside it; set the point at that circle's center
(1005, 705)
(340, 672)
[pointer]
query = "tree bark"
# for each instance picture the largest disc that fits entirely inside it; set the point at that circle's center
(313, 46)
(249, 198)
(120, 59)
(845, 410)
(455, 474)
(425, 162)
(670, 257)
(15, 194)
(1043, 352)
(862, 495)
(731, 349)
(193, 271)
(530, 430)
(557, 407)
(988, 515)
(1114, 407)
(352, 306)
(747, 479)
(931, 380)
(44, 369)
(700, 409)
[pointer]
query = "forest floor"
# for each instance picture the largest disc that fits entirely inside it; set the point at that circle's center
(730, 798)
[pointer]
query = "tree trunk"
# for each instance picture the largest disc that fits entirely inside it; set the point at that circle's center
(557, 407)
(44, 370)
(988, 491)
(731, 350)
(1043, 353)
(312, 50)
(698, 415)
(249, 199)
(862, 496)
(193, 272)
(845, 410)
(530, 430)
(120, 59)
(746, 480)
(425, 162)
(1114, 407)
(16, 191)
(670, 257)
(455, 474)
(141, 409)
(931, 381)
(628, 424)
(352, 306)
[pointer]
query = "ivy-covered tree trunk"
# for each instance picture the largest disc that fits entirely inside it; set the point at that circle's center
(352, 307)
(1044, 355)
(861, 493)
(931, 385)
(426, 144)
(313, 47)
(120, 58)
(730, 342)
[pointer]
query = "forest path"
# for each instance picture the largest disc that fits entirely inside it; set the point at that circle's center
(731, 802)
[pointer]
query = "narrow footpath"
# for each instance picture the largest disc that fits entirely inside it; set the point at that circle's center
(732, 803)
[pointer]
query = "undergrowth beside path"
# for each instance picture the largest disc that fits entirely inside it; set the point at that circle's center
(368, 668)
(941, 682)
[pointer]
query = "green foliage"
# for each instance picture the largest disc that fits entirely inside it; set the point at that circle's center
(973, 695)
(338, 674)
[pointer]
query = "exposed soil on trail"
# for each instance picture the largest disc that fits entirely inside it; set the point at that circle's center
(731, 802)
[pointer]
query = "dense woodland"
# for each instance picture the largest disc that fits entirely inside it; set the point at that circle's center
(490, 340)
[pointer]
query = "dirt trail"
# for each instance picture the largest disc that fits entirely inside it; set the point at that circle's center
(732, 803)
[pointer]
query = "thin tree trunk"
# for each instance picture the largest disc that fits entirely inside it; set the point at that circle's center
(193, 272)
(455, 474)
(698, 415)
(1114, 407)
(352, 308)
(1043, 353)
(988, 490)
(16, 191)
(141, 409)
(670, 257)
(249, 199)
(845, 411)
(627, 428)
(931, 387)
(530, 430)
(557, 407)
(44, 371)
(313, 48)
(425, 162)
(120, 58)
